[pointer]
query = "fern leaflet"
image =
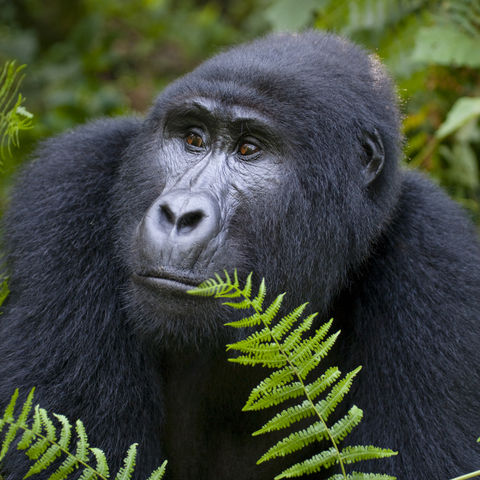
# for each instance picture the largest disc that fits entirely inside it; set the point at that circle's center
(284, 346)
(43, 445)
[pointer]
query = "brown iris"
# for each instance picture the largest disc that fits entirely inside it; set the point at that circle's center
(194, 140)
(247, 149)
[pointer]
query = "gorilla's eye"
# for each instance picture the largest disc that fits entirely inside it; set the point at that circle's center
(247, 149)
(194, 140)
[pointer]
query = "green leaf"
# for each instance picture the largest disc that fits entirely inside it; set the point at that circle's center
(66, 432)
(293, 340)
(82, 443)
(102, 465)
(4, 291)
(252, 321)
(446, 45)
(272, 310)
(296, 441)
(276, 361)
(29, 435)
(306, 366)
(285, 324)
(125, 473)
(463, 111)
(293, 355)
(256, 338)
(362, 476)
(320, 384)
(12, 430)
(275, 380)
(346, 424)
(257, 302)
(277, 396)
(287, 417)
(159, 472)
(50, 455)
(285, 15)
(357, 453)
(325, 459)
(462, 166)
(65, 469)
(325, 407)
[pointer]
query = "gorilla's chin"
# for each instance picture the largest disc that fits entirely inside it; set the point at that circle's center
(162, 312)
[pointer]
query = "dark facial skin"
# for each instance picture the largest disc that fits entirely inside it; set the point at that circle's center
(211, 161)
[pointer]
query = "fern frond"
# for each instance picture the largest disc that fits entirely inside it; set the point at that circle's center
(319, 385)
(326, 406)
(4, 290)
(328, 458)
(287, 417)
(325, 459)
(257, 302)
(353, 454)
(125, 473)
(14, 426)
(255, 339)
(275, 380)
(65, 469)
(277, 396)
(362, 476)
(44, 445)
(286, 323)
(305, 366)
(285, 346)
(296, 441)
(346, 424)
(66, 432)
(101, 463)
(251, 321)
(275, 361)
(159, 472)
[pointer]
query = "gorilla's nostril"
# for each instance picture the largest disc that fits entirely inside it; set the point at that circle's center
(190, 220)
(167, 214)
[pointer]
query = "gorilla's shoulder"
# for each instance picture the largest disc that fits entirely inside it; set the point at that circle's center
(428, 217)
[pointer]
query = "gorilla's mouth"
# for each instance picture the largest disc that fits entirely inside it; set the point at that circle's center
(165, 280)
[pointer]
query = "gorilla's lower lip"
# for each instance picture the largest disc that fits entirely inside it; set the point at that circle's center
(166, 281)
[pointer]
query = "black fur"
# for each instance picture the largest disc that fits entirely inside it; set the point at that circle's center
(324, 213)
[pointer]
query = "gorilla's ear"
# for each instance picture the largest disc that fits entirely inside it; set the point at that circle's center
(374, 158)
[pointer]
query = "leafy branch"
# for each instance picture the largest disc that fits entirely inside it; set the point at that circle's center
(43, 446)
(293, 355)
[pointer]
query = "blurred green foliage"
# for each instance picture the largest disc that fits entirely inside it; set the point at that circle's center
(87, 59)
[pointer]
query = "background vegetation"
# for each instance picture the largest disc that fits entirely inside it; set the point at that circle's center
(87, 59)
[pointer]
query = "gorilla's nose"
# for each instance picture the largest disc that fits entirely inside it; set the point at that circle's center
(181, 214)
(178, 226)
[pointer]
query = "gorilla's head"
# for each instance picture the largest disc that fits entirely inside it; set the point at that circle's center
(277, 157)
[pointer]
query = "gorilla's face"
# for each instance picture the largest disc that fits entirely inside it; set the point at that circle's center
(212, 160)
(208, 166)
(262, 160)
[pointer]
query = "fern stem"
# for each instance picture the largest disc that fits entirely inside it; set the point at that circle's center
(294, 369)
(468, 475)
(66, 452)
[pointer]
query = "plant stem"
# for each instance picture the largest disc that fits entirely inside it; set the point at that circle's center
(295, 371)
(468, 475)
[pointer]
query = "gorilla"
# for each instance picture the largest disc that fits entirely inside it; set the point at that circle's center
(279, 157)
